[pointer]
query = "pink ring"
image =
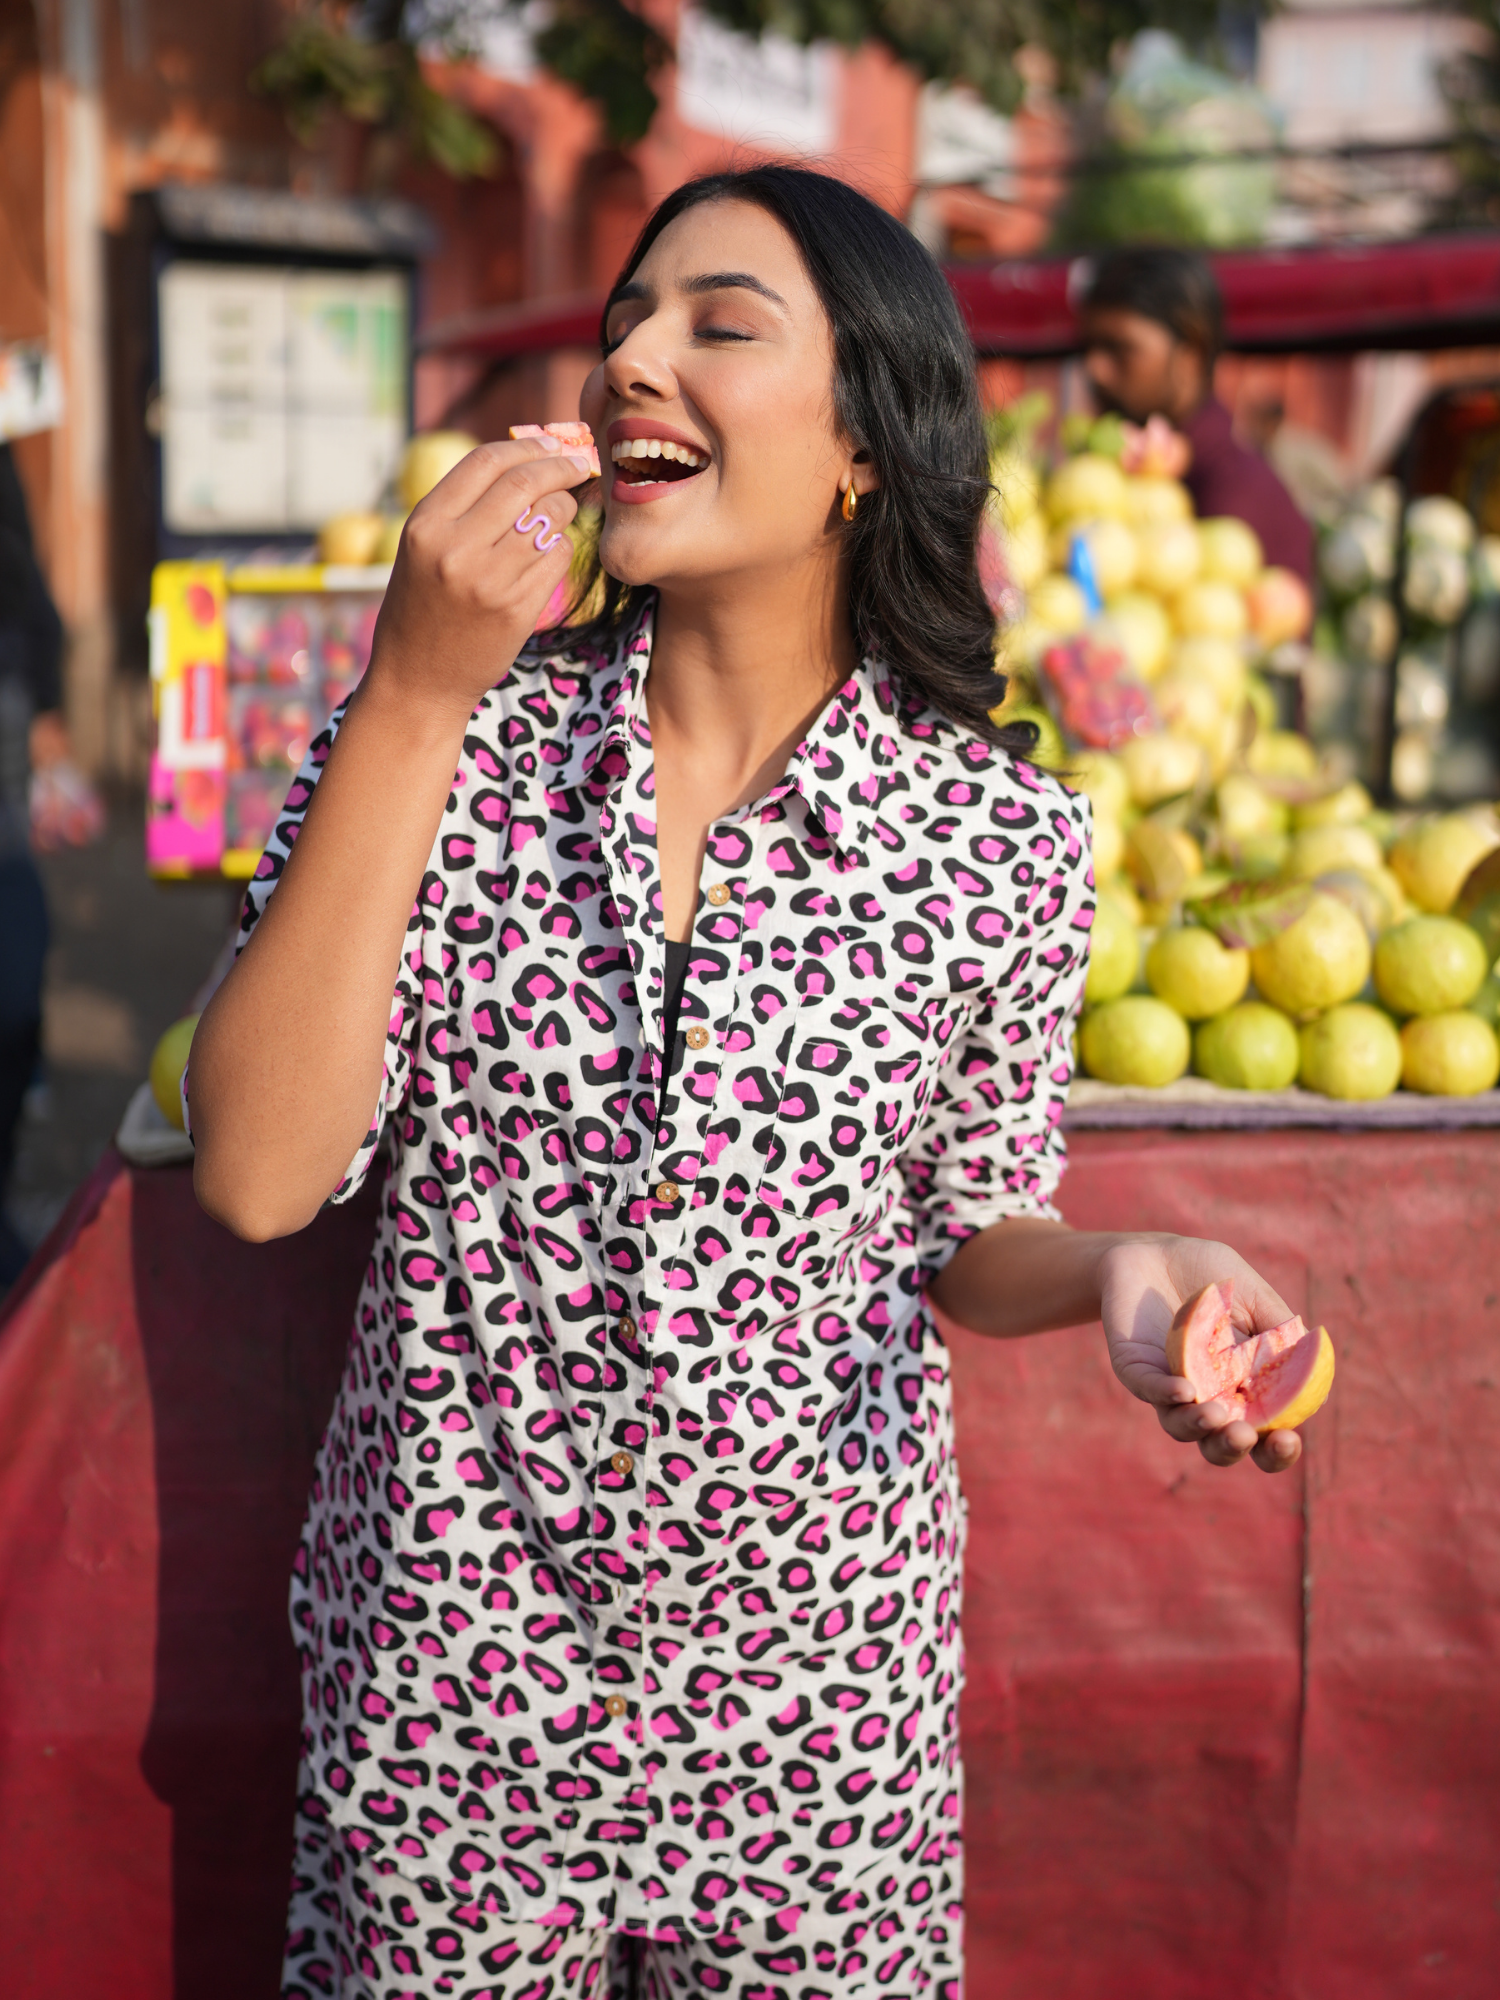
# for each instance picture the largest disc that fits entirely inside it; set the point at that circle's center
(541, 523)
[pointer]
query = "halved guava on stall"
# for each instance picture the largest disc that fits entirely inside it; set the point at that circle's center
(1274, 1380)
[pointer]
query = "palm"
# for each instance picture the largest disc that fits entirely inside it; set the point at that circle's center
(1144, 1282)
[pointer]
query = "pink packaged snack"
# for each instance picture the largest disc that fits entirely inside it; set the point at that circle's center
(577, 437)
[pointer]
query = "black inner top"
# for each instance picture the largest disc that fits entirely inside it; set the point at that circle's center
(676, 978)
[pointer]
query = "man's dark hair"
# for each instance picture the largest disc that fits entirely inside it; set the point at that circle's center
(904, 390)
(1173, 287)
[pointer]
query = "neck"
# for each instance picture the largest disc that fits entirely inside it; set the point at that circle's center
(740, 668)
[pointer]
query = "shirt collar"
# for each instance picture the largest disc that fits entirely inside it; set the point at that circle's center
(842, 769)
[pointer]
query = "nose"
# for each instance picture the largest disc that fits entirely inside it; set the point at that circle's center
(638, 366)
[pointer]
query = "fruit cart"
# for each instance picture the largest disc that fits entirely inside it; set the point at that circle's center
(1224, 1734)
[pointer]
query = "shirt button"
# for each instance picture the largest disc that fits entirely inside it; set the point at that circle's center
(616, 1705)
(697, 1038)
(719, 892)
(667, 1191)
(623, 1463)
(626, 1328)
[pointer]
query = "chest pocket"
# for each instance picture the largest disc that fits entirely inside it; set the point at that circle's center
(851, 1093)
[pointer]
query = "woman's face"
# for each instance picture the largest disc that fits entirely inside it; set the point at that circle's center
(720, 367)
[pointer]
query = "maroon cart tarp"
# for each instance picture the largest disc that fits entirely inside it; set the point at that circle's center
(1439, 291)
(1226, 1735)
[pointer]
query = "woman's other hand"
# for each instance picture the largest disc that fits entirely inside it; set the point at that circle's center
(1142, 1282)
(467, 589)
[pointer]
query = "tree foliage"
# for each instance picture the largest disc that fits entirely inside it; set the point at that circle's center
(364, 59)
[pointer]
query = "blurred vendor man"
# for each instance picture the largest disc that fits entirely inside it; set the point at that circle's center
(1153, 324)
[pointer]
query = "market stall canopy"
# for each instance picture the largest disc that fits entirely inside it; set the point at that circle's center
(1441, 291)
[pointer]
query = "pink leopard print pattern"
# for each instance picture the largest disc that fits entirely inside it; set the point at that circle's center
(371, 1933)
(629, 1589)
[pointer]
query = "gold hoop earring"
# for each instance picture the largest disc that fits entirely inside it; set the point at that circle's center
(851, 501)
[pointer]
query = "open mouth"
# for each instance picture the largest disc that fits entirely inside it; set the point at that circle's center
(655, 462)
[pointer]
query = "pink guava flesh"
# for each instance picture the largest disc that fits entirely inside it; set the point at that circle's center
(1254, 1375)
(576, 436)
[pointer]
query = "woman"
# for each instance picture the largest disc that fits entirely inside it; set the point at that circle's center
(734, 981)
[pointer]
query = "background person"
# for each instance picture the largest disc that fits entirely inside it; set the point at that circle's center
(1153, 325)
(719, 1005)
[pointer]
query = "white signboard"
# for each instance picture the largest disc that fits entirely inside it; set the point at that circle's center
(283, 394)
(769, 93)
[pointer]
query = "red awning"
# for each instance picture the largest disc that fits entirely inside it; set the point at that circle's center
(1443, 291)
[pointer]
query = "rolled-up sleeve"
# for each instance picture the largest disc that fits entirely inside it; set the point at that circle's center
(991, 1146)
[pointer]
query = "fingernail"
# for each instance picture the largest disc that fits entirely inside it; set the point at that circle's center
(583, 464)
(548, 443)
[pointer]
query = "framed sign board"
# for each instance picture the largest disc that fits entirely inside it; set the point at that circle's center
(283, 393)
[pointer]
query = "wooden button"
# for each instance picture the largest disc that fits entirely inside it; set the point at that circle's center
(626, 1328)
(616, 1705)
(697, 1038)
(623, 1463)
(667, 1191)
(719, 893)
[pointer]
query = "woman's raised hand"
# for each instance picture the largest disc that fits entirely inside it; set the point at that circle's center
(1143, 1281)
(467, 589)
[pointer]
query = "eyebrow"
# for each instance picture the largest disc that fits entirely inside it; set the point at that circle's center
(708, 281)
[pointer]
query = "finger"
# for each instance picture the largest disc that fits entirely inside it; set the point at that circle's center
(1145, 1374)
(545, 483)
(478, 471)
(1196, 1422)
(1277, 1451)
(1229, 1445)
(1255, 1305)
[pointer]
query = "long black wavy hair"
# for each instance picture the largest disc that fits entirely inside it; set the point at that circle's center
(904, 391)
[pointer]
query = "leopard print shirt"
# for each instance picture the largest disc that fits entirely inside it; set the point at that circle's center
(629, 1588)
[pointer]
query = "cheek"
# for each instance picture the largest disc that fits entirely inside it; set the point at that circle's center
(591, 399)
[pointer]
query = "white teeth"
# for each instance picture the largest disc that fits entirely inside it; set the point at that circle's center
(631, 448)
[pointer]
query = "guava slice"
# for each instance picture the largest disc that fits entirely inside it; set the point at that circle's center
(1274, 1380)
(576, 436)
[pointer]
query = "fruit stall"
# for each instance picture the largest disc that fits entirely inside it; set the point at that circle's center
(1224, 1734)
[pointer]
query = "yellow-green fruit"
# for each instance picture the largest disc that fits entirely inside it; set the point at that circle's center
(1351, 1052)
(1102, 777)
(1211, 611)
(1138, 625)
(1217, 662)
(1166, 557)
(1316, 962)
(1281, 753)
(1315, 850)
(1026, 551)
(1195, 974)
(1111, 547)
(390, 538)
(168, 1061)
(1050, 752)
(1432, 860)
(1189, 708)
(1246, 809)
(1347, 806)
(1159, 767)
(1450, 1055)
(1109, 846)
(429, 457)
(1114, 953)
(1059, 604)
(1231, 551)
(1151, 499)
(1486, 1002)
(1086, 487)
(1135, 1040)
(1428, 965)
(1252, 1047)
